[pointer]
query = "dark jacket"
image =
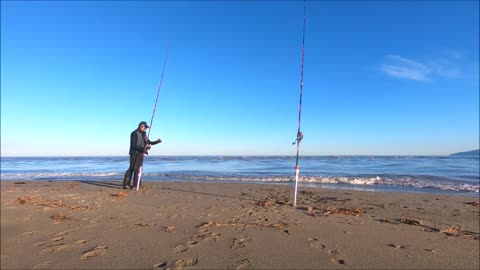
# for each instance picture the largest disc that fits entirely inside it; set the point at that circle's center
(138, 142)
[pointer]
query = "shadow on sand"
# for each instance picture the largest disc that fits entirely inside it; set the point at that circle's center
(102, 184)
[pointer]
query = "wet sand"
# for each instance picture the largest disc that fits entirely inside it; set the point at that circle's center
(98, 225)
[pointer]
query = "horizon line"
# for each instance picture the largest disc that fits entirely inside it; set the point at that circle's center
(262, 155)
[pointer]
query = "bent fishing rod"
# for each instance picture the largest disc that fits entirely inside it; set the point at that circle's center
(151, 120)
(299, 133)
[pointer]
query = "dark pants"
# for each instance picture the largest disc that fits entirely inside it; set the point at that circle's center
(136, 163)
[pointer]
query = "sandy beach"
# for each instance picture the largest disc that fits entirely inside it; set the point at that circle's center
(98, 225)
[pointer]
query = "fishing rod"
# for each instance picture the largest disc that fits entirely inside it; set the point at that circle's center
(151, 120)
(158, 92)
(299, 133)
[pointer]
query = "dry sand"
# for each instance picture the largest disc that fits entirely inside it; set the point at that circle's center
(97, 225)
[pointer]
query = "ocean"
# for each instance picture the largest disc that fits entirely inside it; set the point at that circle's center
(425, 174)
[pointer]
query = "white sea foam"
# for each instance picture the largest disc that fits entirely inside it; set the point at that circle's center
(364, 172)
(402, 181)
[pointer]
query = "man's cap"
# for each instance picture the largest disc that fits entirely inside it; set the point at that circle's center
(143, 123)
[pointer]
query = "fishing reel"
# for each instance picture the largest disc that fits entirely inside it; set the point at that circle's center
(147, 148)
(299, 138)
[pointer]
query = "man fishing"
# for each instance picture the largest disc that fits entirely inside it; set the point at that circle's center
(139, 146)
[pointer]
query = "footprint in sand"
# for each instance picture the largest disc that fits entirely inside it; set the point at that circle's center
(80, 241)
(396, 246)
(95, 252)
(186, 262)
(39, 244)
(160, 265)
(238, 243)
(183, 248)
(54, 249)
(244, 264)
(64, 232)
(192, 243)
(200, 235)
(334, 254)
(337, 261)
(56, 239)
(209, 239)
(315, 243)
(212, 238)
(43, 265)
(202, 230)
(180, 249)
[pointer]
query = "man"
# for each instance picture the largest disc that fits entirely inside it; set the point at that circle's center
(139, 146)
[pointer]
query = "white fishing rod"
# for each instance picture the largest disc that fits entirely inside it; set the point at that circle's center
(299, 133)
(151, 120)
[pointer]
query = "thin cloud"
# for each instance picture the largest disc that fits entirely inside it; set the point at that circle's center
(453, 54)
(404, 68)
(447, 65)
(446, 70)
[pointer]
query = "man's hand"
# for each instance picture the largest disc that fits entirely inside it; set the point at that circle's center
(159, 140)
(147, 147)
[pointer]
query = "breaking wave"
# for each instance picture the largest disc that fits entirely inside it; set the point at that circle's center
(419, 181)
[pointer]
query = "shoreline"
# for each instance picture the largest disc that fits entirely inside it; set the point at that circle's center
(331, 186)
(196, 225)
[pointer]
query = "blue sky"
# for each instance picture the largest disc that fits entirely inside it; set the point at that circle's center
(381, 78)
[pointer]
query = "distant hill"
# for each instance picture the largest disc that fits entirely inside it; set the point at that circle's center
(473, 153)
